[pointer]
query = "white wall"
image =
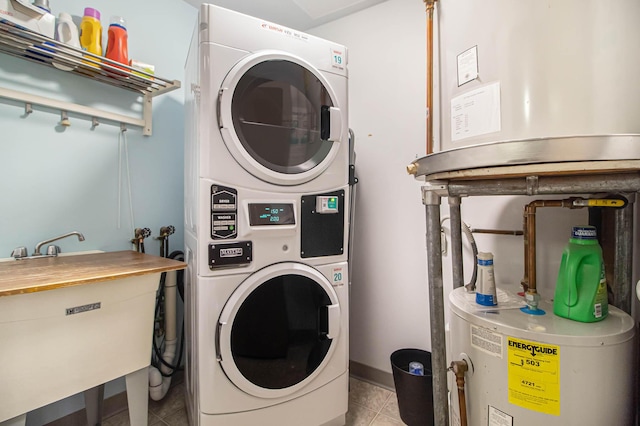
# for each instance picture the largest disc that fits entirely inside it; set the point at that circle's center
(389, 299)
(54, 180)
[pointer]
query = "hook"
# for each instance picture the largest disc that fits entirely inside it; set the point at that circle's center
(94, 122)
(28, 108)
(123, 127)
(64, 119)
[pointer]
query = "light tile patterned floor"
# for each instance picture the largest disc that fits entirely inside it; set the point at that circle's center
(369, 405)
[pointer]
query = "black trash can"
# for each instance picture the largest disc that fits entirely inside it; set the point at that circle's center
(415, 393)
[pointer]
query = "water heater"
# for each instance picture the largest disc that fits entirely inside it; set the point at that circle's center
(531, 370)
(514, 70)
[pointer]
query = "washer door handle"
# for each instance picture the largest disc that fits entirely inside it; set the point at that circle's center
(330, 124)
(333, 319)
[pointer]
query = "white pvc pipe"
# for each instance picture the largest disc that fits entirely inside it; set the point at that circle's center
(158, 384)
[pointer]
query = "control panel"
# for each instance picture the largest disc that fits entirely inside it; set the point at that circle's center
(271, 214)
(327, 204)
(224, 212)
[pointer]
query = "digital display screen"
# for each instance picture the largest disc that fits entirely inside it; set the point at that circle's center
(271, 214)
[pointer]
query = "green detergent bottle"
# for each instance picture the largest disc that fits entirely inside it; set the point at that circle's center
(581, 289)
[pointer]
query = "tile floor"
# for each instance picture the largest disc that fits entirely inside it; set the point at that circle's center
(369, 405)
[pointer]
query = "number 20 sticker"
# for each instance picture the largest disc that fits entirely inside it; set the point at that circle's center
(337, 277)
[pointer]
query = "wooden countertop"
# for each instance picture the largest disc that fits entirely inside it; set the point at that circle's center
(28, 276)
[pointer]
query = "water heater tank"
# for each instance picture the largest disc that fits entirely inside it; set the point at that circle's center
(527, 69)
(532, 370)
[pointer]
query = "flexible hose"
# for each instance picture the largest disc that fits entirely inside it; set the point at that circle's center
(159, 360)
(471, 286)
(466, 230)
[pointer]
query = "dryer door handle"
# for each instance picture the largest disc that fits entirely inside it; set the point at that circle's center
(333, 319)
(330, 124)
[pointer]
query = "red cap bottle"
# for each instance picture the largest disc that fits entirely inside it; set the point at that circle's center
(117, 49)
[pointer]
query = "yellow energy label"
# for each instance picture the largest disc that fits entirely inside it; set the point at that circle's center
(534, 375)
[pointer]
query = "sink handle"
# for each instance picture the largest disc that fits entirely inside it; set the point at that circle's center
(19, 252)
(53, 250)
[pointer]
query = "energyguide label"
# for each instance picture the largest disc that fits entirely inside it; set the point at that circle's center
(534, 375)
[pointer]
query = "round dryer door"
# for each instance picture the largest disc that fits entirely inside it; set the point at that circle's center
(279, 118)
(276, 332)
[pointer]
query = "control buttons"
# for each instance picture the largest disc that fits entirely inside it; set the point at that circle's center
(327, 204)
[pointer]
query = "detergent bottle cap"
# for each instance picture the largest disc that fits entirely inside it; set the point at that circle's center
(485, 258)
(119, 21)
(42, 4)
(91, 12)
(64, 16)
(584, 233)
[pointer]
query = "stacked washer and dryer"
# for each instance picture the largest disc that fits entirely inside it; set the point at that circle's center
(267, 197)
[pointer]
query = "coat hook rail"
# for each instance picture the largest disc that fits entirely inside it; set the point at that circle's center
(88, 112)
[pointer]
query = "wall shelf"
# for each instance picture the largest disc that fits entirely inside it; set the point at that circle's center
(42, 50)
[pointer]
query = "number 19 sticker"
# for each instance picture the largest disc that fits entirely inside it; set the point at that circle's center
(534, 375)
(337, 59)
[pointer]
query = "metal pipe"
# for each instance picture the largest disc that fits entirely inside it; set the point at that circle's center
(432, 201)
(456, 242)
(497, 231)
(623, 268)
(430, 4)
(590, 184)
(459, 368)
(529, 226)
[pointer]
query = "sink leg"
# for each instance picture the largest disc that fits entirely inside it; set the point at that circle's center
(93, 404)
(138, 396)
(21, 420)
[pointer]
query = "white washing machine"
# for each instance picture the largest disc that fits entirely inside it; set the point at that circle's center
(266, 224)
(269, 347)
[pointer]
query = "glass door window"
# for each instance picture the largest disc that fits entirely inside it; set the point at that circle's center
(279, 334)
(276, 111)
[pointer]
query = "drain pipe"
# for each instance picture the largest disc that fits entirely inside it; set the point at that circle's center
(430, 4)
(160, 380)
(459, 368)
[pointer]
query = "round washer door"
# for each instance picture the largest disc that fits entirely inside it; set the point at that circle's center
(279, 118)
(277, 330)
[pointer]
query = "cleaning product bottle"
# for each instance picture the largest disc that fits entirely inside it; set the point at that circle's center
(581, 288)
(486, 288)
(67, 33)
(91, 34)
(117, 49)
(39, 49)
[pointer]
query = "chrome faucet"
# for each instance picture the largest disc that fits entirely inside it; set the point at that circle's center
(41, 243)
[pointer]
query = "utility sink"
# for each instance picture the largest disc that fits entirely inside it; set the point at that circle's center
(73, 322)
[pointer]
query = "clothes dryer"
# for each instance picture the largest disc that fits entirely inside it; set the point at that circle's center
(270, 105)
